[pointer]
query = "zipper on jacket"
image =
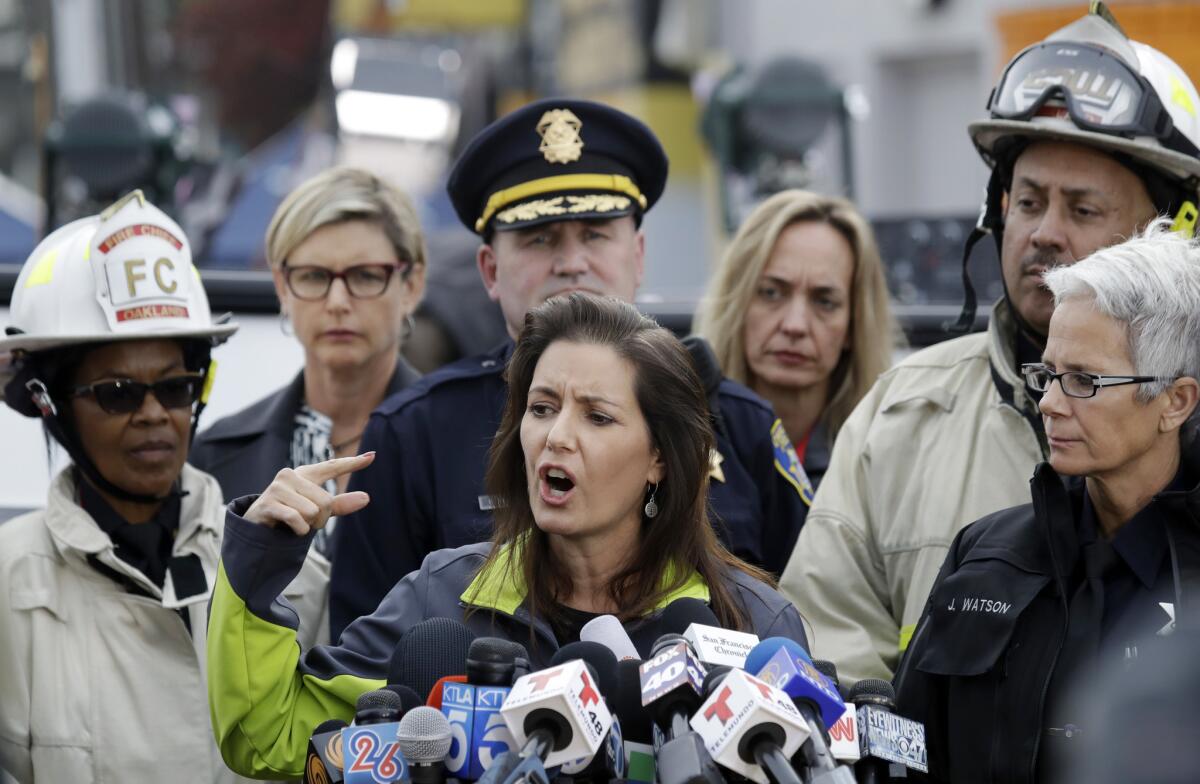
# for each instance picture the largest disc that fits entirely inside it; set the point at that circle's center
(1039, 495)
(997, 701)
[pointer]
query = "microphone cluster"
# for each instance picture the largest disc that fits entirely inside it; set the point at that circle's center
(707, 705)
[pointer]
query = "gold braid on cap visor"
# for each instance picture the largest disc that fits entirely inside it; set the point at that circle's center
(617, 183)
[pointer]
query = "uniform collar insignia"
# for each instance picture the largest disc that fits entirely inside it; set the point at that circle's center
(1169, 627)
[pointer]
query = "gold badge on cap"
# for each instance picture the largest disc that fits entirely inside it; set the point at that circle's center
(561, 142)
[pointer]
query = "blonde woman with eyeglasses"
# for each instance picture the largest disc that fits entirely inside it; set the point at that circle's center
(348, 258)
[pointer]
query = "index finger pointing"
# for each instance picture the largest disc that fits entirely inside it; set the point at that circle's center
(320, 473)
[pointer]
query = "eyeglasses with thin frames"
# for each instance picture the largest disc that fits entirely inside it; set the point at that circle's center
(1077, 383)
(363, 281)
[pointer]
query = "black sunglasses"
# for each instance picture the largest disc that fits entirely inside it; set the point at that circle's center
(124, 395)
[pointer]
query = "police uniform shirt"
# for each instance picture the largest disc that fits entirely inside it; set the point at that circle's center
(1140, 582)
(426, 483)
(1136, 603)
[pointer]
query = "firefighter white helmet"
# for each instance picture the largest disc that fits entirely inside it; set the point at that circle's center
(125, 274)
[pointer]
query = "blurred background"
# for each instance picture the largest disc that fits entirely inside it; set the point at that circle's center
(217, 108)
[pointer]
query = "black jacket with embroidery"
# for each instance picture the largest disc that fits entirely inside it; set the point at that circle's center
(978, 675)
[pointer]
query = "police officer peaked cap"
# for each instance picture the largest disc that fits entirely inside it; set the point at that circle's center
(557, 159)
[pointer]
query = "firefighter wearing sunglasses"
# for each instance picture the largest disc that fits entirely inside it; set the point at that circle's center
(1089, 136)
(104, 592)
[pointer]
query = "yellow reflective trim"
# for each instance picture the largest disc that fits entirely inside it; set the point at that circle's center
(43, 268)
(209, 378)
(906, 635)
(492, 588)
(1185, 220)
(1180, 96)
(618, 183)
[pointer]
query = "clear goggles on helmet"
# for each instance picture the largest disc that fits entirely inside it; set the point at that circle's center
(1098, 90)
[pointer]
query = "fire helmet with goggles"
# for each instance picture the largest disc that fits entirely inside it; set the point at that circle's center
(1088, 84)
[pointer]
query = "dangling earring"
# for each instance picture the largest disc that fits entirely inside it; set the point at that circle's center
(409, 326)
(285, 326)
(651, 508)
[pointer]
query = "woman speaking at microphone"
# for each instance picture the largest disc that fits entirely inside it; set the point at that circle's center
(598, 473)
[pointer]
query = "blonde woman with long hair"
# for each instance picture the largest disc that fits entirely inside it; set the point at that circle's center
(798, 311)
(347, 255)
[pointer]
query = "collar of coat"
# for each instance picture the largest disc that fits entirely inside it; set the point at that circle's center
(201, 522)
(1002, 355)
(499, 587)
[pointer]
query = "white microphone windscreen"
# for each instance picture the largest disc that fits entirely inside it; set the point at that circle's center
(609, 632)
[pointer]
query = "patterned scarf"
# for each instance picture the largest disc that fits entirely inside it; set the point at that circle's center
(310, 444)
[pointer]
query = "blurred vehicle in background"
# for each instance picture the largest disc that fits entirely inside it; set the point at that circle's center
(219, 107)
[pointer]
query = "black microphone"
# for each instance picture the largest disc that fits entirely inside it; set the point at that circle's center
(712, 643)
(885, 738)
(677, 616)
(829, 670)
(429, 651)
(409, 699)
(372, 742)
(473, 708)
(492, 661)
(602, 660)
(325, 758)
(636, 728)
(843, 735)
(672, 687)
(627, 703)
(377, 707)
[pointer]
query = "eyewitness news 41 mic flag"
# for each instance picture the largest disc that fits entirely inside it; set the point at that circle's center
(884, 735)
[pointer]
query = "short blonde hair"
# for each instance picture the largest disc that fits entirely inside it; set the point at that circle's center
(721, 318)
(342, 194)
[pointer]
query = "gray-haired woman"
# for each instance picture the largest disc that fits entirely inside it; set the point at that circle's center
(348, 258)
(1030, 599)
